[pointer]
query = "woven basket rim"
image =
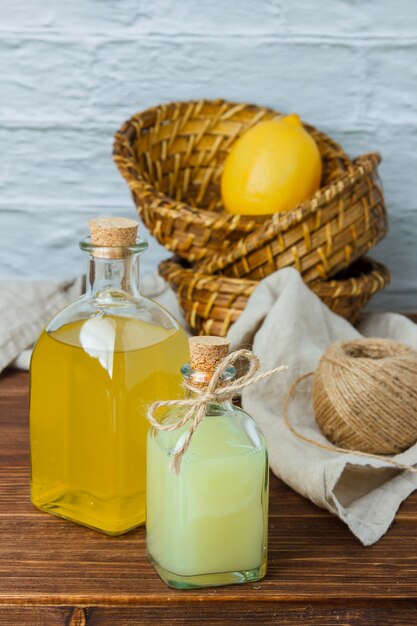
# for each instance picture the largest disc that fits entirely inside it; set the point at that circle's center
(176, 274)
(218, 220)
(279, 223)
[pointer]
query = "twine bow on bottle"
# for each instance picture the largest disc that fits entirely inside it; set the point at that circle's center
(215, 391)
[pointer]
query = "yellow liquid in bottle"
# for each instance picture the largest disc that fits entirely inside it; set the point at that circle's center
(91, 383)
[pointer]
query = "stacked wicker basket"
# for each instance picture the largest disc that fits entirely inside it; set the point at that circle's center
(172, 157)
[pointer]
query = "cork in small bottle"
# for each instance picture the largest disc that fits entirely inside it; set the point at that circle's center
(113, 234)
(206, 352)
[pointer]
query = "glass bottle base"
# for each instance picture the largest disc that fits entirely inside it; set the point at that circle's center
(208, 580)
(79, 507)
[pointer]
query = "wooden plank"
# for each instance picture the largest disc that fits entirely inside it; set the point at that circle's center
(312, 554)
(14, 420)
(46, 560)
(55, 572)
(232, 614)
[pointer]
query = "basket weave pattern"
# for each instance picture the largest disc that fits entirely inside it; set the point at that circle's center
(211, 304)
(322, 236)
(172, 158)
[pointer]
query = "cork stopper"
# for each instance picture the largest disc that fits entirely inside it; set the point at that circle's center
(206, 352)
(112, 236)
(113, 231)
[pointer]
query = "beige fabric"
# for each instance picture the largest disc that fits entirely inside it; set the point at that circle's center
(25, 308)
(288, 324)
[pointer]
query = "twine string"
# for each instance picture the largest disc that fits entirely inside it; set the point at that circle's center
(215, 391)
(379, 457)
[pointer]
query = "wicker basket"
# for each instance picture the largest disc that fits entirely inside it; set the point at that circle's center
(212, 303)
(172, 157)
(324, 235)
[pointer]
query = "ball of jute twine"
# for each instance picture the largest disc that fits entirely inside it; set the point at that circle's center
(364, 398)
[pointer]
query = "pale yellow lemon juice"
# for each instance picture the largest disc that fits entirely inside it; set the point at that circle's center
(205, 519)
(207, 502)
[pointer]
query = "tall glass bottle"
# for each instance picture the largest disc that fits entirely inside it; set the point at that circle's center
(207, 525)
(95, 368)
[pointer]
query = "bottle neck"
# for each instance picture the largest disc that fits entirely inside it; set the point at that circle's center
(113, 278)
(213, 408)
(200, 380)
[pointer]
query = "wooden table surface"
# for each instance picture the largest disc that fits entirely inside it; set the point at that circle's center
(53, 572)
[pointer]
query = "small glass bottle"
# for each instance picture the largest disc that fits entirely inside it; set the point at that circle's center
(95, 368)
(207, 525)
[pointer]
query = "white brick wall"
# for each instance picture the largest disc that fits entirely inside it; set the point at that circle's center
(72, 72)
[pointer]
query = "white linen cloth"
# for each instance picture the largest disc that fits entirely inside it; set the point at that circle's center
(286, 324)
(25, 307)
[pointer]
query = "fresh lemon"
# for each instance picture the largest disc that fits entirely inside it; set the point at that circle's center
(272, 167)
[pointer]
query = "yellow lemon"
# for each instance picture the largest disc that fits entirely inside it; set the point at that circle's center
(272, 167)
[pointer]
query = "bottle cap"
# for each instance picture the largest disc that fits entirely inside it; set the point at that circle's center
(207, 351)
(113, 231)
